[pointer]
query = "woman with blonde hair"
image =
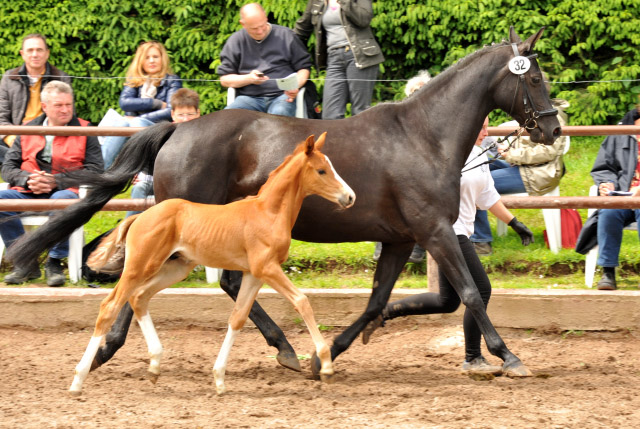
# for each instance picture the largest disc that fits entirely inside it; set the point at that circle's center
(145, 98)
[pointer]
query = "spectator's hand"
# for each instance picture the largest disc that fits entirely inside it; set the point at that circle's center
(502, 147)
(257, 77)
(521, 229)
(292, 95)
(605, 188)
(41, 182)
(636, 191)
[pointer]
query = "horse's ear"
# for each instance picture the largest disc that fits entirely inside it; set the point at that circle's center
(528, 44)
(320, 141)
(308, 144)
(513, 37)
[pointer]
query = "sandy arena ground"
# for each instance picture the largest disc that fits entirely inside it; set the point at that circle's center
(406, 377)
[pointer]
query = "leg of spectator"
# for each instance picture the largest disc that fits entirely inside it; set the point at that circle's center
(61, 249)
(140, 190)
(508, 180)
(610, 225)
(11, 230)
(248, 103)
(280, 106)
(336, 90)
(361, 83)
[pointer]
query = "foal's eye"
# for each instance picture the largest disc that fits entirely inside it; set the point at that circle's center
(321, 172)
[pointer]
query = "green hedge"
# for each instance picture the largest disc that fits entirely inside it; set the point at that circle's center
(584, 41)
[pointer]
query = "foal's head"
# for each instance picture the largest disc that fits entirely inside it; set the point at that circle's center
(320, 178)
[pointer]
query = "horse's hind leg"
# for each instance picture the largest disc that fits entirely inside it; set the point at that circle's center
(246, 296)
(287, 356)
(115, 338)
(108, 311)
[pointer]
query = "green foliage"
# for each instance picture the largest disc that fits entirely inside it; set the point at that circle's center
(584, 41)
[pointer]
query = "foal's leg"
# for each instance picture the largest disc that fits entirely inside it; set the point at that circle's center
(246, 296)
(171, 272)
(275, 277)
(287, 356)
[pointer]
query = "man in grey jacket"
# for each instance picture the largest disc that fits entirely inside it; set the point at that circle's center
(20, 87)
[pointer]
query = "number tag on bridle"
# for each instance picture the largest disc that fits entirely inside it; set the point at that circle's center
(519, 65)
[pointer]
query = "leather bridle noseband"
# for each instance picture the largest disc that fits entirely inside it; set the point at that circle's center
(529, 107)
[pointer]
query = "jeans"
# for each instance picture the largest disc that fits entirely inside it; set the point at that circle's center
(611, 222)
(276, 105)
(112, 145)
(11, 230)
(345, 82)
(507, 180)
(141, 189)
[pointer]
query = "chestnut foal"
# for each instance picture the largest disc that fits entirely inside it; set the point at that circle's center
(253, 235)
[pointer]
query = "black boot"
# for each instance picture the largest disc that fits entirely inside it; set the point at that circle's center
(608, 280)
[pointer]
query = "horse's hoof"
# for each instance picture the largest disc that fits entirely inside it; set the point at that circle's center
(327, 378)
(153, 377)
(96, 363)
(289, 359)
(516, 370)
(316, 366)
(370, 328)
(75, 393)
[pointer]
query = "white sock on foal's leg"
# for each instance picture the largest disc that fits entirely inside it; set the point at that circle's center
(153, 345)
(221, 362)
(84, 366)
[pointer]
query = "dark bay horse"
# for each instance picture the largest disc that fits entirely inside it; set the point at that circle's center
(164, 243)
(403, 160)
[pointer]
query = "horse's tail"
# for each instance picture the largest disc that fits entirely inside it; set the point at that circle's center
(138, 154)
(109, 255)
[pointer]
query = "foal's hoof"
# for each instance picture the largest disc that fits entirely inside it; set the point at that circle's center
(75, 393)
(516, 370)
(289, 359)
(152, 377)
(327, 378)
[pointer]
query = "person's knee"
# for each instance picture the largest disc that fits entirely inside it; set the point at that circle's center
(283, 108)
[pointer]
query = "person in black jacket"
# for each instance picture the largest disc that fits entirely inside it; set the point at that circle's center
(145, 98)
(616, 169)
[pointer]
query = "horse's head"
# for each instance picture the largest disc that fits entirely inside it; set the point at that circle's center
(523, 93)
(319, 176)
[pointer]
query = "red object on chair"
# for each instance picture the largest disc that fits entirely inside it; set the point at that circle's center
(571, 224)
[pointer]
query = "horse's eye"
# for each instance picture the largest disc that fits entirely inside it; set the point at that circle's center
(321, 172)
(536, 80)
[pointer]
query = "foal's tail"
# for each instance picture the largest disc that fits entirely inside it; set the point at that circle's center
(138, 154)
(109, 255)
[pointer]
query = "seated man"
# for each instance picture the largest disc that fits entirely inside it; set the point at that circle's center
(255, 56)
(20, 87)
(184, 107)
(617, 168)
(35, 167)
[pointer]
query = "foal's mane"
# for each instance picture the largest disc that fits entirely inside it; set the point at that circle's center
(287, 161)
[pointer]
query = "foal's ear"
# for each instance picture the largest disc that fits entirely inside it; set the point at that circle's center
(528, 44)
(320, 141)
(308, 145)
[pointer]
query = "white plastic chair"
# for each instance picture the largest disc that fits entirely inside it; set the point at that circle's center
(551, 217)
(76, 239)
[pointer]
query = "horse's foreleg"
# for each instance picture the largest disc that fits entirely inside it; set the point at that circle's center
(279, 281)
(390, 265)
(452, 264)
(246, 296)
(287, 356)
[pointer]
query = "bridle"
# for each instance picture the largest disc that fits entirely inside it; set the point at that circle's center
(530, 110)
